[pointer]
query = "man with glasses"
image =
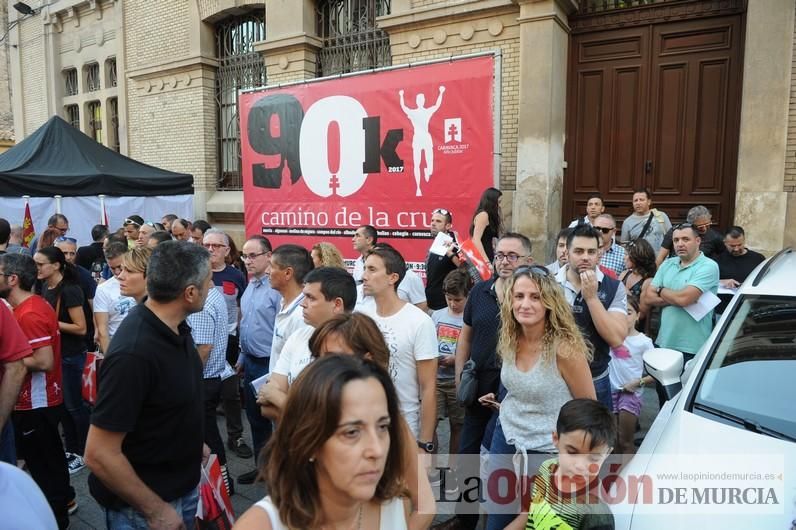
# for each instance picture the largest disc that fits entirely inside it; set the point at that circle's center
(613, 255)
(110, 306)
(437, 267)
(259, 305)
(131, 227)
(231, 283)
(599, 303)
(712, 242)
(478, 341)
(57, 221)
(680, 282)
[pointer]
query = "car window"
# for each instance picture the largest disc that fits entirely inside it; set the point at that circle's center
(752, 374)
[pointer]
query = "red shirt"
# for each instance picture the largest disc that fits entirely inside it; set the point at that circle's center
(13, 343)
(40, 389)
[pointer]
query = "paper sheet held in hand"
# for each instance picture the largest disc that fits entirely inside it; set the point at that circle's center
(703, 306)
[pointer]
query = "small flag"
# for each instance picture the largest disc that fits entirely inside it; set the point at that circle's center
(28, 232)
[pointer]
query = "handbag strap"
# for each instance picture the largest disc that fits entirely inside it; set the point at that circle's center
(646, 226)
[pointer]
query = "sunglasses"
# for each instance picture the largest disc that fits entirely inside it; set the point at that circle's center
(534, 270)
(683, 225)
(64, 238)
(131, 222)
(603, 229)
(441, 211)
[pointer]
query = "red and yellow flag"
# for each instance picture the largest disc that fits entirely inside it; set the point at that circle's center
(28, 232)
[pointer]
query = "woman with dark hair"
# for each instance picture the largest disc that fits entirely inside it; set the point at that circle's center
(350, 334)
(341, 466)
(487, 224)
(60, 287)
(48, 238)
(357, 335)
(639, 270)
(234, 258)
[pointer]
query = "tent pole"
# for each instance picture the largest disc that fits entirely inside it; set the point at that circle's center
(102, 220)
(58, 203)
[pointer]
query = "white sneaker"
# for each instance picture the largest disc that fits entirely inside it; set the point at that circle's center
(75, 463)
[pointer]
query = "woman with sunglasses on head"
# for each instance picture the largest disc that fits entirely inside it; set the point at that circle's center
(545, 363)
(487, 224)
(639, 270)
(339, 467)
(132, 279)
(60, 287)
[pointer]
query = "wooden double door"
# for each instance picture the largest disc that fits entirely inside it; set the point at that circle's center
(658, 106)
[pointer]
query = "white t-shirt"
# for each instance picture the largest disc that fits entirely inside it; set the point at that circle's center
(359, 269)
(109, 299)
(288, 320)
(295, 354)
(623, 370)
(410, 336)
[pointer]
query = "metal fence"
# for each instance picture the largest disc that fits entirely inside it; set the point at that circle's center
(351, 40)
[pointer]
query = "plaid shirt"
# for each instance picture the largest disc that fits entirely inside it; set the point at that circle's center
(209, 326)
(614, 259)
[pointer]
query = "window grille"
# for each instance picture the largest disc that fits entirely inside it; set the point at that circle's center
(92, 77)
(113, 121)
(351, 40)
(94, 111)
(240, 67)
(110, 66)
(70, 82)
(73, 115)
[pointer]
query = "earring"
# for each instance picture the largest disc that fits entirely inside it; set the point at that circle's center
(312, 460)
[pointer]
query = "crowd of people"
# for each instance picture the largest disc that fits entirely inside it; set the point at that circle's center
(344, 376)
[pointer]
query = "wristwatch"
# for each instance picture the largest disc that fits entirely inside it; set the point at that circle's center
(658, 290)
(426, 446)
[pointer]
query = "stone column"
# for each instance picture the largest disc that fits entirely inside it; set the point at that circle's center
(544, 41)
(290, 49)
(760, 199)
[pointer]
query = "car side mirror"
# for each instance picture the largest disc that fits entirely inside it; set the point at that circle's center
(665, 366)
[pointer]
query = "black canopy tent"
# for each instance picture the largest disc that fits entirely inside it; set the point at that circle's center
(58, 159)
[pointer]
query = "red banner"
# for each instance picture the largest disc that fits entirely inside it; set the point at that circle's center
(387, 148)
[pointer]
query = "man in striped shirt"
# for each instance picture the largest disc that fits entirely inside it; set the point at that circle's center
(38, 409)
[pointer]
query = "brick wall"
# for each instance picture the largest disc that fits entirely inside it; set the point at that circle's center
(6, 118)
(33, 75)
(155, 32)
(484, 37)
(425, 3)
(790, 153)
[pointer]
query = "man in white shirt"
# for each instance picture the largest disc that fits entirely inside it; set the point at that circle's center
(328, 291)
(364, 239)
(289, 264)
(110, 307)
(594, 207)
(411, 338)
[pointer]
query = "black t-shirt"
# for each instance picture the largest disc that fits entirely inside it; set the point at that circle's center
(89, 287)
(150, 387)
(482, 314)
(71, 296)
(738, 267)
(437, 267)
(87, 255)
(712, 244)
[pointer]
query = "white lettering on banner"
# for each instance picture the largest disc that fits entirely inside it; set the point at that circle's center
(348, 113)
(299, 218)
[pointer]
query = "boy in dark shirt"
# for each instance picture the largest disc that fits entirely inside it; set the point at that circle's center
(565, 493)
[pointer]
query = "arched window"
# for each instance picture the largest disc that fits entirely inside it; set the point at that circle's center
(239, 67)
(351, 40)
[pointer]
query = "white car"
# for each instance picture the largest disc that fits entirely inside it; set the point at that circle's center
(732, 422)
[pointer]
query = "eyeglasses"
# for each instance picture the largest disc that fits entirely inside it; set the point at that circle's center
(214, 246)
(63, 239)
(131, 222)
(252, 257)
(511, 257)
(62, 230)
(533, 270)
(39, 265)
(603, 229)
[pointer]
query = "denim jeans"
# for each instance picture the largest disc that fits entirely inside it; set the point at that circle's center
(476, 420)
(8, 452)
(602, 387)
(76, 420)
(502, 456)
(262, 428)
(130, 519)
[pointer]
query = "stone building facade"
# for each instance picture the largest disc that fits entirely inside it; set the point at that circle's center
(168, 64)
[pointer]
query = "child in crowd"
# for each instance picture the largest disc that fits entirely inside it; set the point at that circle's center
(449, 322)
(566, 488)
(626, 374)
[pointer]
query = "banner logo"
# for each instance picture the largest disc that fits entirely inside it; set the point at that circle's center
(453, 130)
